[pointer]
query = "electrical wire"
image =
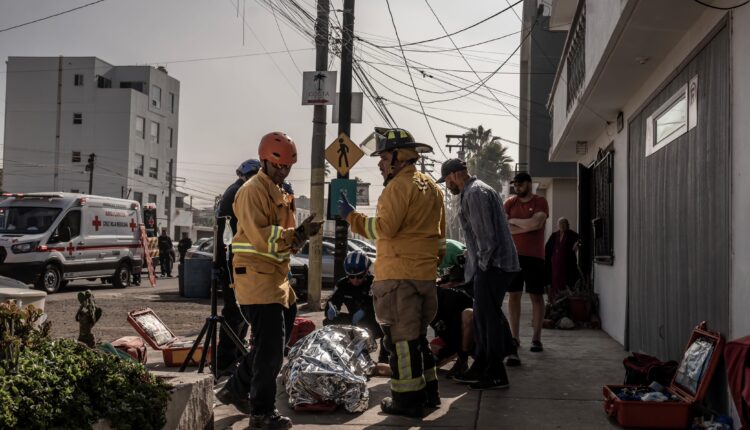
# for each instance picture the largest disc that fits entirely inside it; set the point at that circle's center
(722, 8)
(395, 29)
(467, 61)
(51, 16)
(400, 45)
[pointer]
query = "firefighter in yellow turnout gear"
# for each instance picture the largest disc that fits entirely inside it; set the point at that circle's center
(265, 239)
(409, 229)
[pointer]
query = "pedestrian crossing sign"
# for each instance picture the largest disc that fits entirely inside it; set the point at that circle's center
(343, 154)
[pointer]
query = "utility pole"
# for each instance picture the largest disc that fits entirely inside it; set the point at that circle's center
(170, 178)
(461, 147)
(317, 180)
(90, 169)
(345, 122)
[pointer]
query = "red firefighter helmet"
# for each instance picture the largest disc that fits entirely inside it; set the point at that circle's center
(278, 148)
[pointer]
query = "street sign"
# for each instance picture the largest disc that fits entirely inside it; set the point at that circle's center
(343, 154)
(363, 194)
(349, 186)
(356, 110)
(318, 88)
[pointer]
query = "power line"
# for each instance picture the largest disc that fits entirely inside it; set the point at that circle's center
(467, 61)
(400, 45)
(51, 16)
(406, 62)
(722, 8)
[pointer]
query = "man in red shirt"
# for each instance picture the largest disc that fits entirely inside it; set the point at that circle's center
(527, 213)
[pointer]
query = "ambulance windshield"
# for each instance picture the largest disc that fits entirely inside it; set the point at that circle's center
(26, 219)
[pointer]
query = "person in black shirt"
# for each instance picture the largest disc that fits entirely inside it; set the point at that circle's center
(182, 246)
(165, 254)
(353, 291)
(227, 353)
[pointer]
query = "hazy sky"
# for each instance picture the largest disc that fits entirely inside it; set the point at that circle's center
(228, 104)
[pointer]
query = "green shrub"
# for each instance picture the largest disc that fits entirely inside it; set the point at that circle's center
(63, 384)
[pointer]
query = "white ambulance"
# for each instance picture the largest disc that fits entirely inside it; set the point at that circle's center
(49, 239)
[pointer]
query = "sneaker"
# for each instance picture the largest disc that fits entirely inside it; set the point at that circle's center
(471, 376)
(229, 398)
(272, 421)
(490, 384)
(513, 359)
(536, 346)
(459, 367)
(389, 407)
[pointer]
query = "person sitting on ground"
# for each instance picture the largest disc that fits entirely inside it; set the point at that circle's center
(453, 323)
(353, 290)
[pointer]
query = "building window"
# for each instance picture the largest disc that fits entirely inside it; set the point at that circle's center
(155, 96)
(674, 118)
(179, 202)
(138, 86)
(154, 132)
(576, 59)
(102, 82)
(138, 165)
(78, 80)
(152, 198)
(138, 196)
(77, 118)
(171, 135)
(602, 175)
(171, 102)
(76, 157)
(153, 169)
(140, 127)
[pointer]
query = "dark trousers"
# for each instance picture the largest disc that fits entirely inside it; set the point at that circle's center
(227, 352)
(493, 339)
(258, 370)
(165, 261)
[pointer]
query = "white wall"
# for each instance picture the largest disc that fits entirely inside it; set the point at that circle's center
(611, 281)
(740, 291)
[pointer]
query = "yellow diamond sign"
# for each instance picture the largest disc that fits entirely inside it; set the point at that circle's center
(343, 154)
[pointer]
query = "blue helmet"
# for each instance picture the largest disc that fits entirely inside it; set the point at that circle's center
(356, 263)
(248, 168)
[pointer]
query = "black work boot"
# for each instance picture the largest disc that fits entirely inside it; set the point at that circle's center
(271, 421)
(388, 406)
(459, 367)
(432, 395)
(242, 403)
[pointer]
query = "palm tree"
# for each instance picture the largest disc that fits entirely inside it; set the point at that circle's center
(487, 157)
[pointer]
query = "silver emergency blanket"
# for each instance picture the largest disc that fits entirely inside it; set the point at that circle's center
(694, 364)
(331, 364)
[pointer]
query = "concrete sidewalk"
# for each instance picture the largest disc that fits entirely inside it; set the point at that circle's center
(560, 388)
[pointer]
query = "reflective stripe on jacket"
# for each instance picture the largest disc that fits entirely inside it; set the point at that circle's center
(263, 243)
(409, 227)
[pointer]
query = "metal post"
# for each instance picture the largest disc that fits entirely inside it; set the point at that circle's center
(317, 180)
(345, 121)
(170, 178)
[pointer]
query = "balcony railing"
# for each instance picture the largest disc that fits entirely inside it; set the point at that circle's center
(576, 58)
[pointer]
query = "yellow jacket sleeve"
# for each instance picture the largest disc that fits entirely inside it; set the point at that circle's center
(392, 206)
(253, 211)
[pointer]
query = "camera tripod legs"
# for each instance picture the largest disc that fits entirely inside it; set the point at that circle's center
(210, 331)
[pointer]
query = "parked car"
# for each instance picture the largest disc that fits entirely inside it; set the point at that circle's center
(49, 239)
(352, 245)
(199, 242)
(369, 248)
(298, 266)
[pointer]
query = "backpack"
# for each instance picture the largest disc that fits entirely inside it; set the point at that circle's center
(302, 327)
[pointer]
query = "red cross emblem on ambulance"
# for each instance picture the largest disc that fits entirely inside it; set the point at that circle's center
(70, 248)
(96, 223)
(132, 224)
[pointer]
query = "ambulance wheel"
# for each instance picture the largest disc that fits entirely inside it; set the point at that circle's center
(50, 280)
(123, 275)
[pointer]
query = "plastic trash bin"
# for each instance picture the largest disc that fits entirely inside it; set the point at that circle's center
(23, 296)
(197, 278)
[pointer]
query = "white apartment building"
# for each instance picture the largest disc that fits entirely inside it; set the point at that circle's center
(60, 110)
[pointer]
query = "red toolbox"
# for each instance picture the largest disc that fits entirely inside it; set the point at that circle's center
(689, 385)
(173, 348)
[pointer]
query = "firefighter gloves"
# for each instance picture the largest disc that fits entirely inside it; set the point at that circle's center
(307, 229)
(345, 208)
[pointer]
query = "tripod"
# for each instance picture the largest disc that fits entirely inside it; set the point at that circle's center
(210, 326)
